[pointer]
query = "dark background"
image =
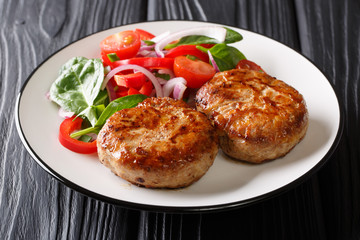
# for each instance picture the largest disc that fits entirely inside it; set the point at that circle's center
(33, 205)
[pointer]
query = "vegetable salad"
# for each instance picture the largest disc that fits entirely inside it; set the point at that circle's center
(134, 65)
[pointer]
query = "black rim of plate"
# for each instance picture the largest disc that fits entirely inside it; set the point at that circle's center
(177, 209)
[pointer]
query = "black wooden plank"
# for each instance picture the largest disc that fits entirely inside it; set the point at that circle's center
(33, 204)
(330, 37)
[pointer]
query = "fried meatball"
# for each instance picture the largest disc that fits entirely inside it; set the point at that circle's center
(161, 143)
(257, 117)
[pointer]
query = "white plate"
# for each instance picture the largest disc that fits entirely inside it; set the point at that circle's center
(228, 183)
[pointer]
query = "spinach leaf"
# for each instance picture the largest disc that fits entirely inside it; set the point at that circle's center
(102, 98)
(70, 63)
(226, 57)
(78, 86)
(231, 37)
(192, 40)
(129, 101)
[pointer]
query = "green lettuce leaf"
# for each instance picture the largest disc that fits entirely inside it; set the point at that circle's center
(78, 87)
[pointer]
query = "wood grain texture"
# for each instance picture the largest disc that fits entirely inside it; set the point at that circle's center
(33, 205)
(333, 43)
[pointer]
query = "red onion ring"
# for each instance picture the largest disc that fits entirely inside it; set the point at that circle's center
(179, 90)
(160, 37)
(216, 32)
(111, 91)
(171, 84)
(148, 74)
(212, 60)
(65, 114)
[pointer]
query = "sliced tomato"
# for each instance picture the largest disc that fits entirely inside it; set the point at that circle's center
(133, 80)
(147, 62)
(106, 61)
(246, 64)
(133, 91)
(147, 88)
(66, 128)
(184, 50)
(122, 92)
(125, 44)
(144, 35)
(195, 72)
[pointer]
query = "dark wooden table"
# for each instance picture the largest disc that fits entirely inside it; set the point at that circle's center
(33, 205)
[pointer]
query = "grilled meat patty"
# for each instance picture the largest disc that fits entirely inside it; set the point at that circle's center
(257, 117)
(161, 143)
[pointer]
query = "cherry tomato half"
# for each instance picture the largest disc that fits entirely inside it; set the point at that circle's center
(144, 35)
(125, 44)
(195, 72)
(246, 64)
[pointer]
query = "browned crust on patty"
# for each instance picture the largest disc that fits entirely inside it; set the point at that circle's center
(161, 143)
(258, 117)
